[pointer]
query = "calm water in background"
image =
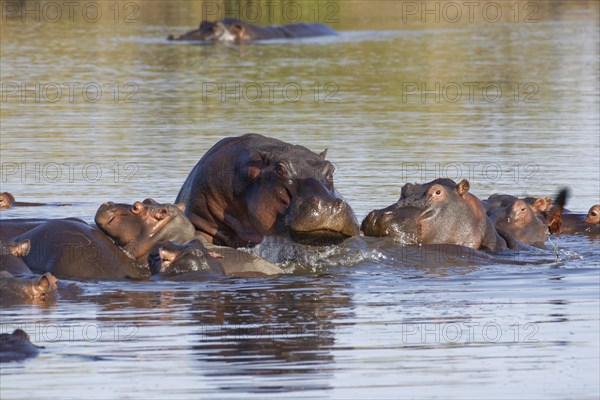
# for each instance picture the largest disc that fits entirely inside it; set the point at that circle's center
(359, 320)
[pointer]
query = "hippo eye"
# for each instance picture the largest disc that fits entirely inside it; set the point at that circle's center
(438, 192)
(594, 214)
(280, 169)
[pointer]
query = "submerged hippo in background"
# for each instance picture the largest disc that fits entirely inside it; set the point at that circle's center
(172, 258)
(582, 223)
(17, 290)
(11, 257)
(7, 200)
(72, 249)
(438, 212)
(248, 187)
(529, 220)
(17, 346)
(236, 31)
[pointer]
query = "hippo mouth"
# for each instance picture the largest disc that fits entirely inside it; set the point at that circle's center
(319, 237)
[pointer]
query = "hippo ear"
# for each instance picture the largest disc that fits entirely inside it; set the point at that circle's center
(150, 201)
(167, 256)
(541, 204)
(21, 249)
(181, 207)
(323, 154)
(463, 187)
(237, 29)
(44, 284)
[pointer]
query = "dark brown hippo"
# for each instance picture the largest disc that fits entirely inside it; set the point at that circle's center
(248, 187)
(7, 200)
(437, 212)
(118, 249)
(172, 258)
(236, 31)
(17, 346)
(582, 223)
(10, 257)
(14, 290)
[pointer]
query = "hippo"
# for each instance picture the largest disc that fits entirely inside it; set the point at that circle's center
(582, 223)
(172, 258)
(248, 187)
(7, 200)
(438, 212)
(13, 290)
(138, 227)
(531, 219)
(11, 228)
(10, 257)
(17, 346)
(235, 31)
(117, 249)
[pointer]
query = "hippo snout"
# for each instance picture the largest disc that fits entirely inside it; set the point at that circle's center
(321, 221)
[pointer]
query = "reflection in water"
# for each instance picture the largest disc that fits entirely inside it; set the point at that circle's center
(363, 319)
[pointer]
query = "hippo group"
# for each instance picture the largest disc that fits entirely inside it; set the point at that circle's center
(250, 187)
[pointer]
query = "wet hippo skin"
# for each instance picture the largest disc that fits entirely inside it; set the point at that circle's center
(236, 31)
(582, 223)
(437, 212)
(118, 249)
(16, 346)
(248, 187)
(198, 256)
(15, 290)
(11, 254)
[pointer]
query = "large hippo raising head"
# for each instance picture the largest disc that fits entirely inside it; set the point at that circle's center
(247, 187)
(437, 212)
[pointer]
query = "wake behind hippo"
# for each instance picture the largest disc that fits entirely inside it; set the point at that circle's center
(248, 187)
(235, 31)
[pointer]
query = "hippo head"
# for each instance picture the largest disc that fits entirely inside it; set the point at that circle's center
(170, 258)
(42, 288)
(519, 219)
(291, 191)
(7, 200)
(139, 226)
(593, 216)
(208, 31)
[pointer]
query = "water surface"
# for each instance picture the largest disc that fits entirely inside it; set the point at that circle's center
(363, 319)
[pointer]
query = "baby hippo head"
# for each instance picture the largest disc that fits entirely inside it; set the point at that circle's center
(139, 226)
(171, 258)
